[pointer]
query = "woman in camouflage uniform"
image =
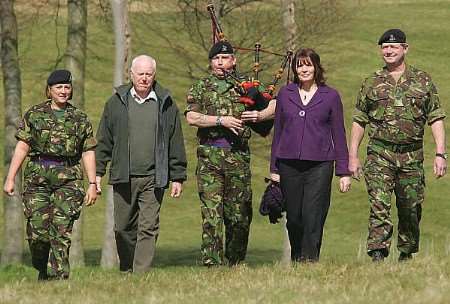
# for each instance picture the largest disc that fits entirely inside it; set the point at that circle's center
(55, 136)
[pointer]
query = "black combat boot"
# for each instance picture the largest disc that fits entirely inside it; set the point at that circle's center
(43, 276)
(377, 256)
(404, 257)
(39, 258)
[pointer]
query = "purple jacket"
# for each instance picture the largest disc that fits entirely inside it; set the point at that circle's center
(312, 132)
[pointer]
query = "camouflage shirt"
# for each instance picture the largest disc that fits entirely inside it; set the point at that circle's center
(217, 97)
(397, 111)
(68, 136)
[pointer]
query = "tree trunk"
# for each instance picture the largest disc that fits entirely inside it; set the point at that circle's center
(290, 30)
(12, 214)
(109, 257)
(75, 62)
(122, 41)
(289, 25)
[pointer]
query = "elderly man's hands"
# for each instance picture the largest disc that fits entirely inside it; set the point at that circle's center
(176, 189)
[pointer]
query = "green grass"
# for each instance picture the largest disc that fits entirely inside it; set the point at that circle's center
(424, 280)
(345, 274)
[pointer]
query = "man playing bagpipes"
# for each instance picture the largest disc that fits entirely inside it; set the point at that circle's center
(215, 107)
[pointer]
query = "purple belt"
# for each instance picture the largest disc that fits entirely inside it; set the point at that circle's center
(216, 142)
(48, 160)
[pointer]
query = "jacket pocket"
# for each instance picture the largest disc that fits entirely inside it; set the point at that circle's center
(416, 103)
(376, 104)
(41, 135)
(73, 138)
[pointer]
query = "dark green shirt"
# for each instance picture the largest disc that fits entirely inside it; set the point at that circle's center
(59, 113)
(142, 124)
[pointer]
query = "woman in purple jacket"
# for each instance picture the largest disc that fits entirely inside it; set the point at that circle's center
(309, 138)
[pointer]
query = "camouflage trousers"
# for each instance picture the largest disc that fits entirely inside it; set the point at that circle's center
(52, 201)
(224, 186)
(387, 172)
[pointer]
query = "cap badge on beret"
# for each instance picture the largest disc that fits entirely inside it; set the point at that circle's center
(392, 36)
(221, 47)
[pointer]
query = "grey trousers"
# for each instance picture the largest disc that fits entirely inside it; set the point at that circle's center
(136, 222)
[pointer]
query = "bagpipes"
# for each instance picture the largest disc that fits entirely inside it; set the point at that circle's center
(253, 94)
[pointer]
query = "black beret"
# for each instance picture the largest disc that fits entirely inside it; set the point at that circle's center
(392, 36)
(59, 76)
(221, 47)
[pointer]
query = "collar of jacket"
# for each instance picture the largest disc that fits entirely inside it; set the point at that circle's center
(294, 95)
(68, 111)
(409, 71)
(162, 93)
(294, 87)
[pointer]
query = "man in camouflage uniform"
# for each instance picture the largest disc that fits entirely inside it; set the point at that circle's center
(55, 135)
(396, 102)
(223, 170)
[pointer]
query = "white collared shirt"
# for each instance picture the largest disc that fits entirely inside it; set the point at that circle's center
(139, 100)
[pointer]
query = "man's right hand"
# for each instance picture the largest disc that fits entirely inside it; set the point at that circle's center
(354, 166)
(232, 123)
(98, 181)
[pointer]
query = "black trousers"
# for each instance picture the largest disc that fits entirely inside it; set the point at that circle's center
(306, 187)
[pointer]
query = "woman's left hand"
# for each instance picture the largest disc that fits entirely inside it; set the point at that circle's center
(91, 195)
(345, 183)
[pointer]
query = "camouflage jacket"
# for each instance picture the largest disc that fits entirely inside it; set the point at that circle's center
(46, 135)
(397, 111)
(217, 97)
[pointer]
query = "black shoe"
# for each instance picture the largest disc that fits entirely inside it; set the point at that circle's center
(404, 257)
(377, 256)
(212, 265)
(42, 276)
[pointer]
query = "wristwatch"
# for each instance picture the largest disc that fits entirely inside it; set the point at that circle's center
(219, 121)
(443, 155)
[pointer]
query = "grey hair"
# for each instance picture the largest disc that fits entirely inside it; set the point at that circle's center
(140, 57)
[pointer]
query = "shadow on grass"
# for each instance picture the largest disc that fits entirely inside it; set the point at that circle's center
(170, 257)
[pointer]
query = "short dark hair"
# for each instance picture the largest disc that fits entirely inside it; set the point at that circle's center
(319, 72)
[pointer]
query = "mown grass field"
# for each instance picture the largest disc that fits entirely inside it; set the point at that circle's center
(345, 273)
